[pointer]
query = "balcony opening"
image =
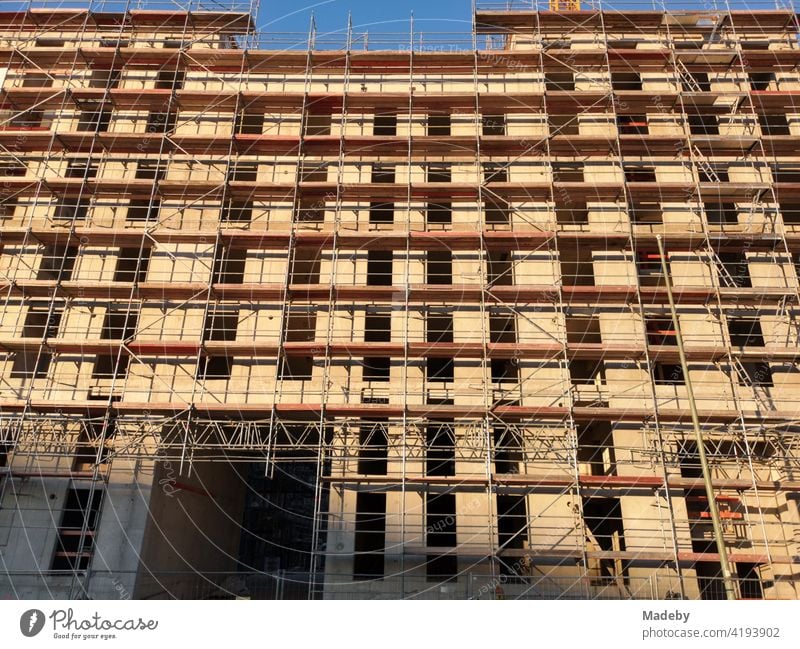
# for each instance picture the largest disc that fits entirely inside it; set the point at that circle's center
(379, 268)
(305, 266)
(504, 370)
(790, 213)
(236, 211)
(645, 213)
(439, 173)
(696, 82)
(381, 213)
(150, 170)
(221, 324)
(439, 328)
(774, 124)
(300, 326)
(649, 268)
(40, 324)
(383, 173)
(493, 125)
(439, 267)
(440, 370)
(439, 213)
(508, 453)
(108, 79)
(703, 125)
(170, 80)
(499, 267)
(668, 374)
(563, 125)
(57, 264)
(377, 369)
(8, 208)
(377, 328)
(577, 266)
(318, 124)
(243, 172)
(297, 368)
(587, 371)
(721, 214)
(229, 265)
(94, 121)
(745, 332)
(313, 172)
(370, 536)
(512, 525)
(748, 44)
(37, 80)
(143, 209)
(639, 174)
(760, 80)
(161, 123)
(119, 324)
(555, 81)
(712, 174)
(757, 374)
(786, 173)
(734, 269)
(568, 172)
(76, 532)
(626, 80)
(30, 119)
(385, 125)
(596, 449)
(13, 169)
(72, 209)
(310, 210)
(632, 124)
(247, 123)
(495, 172)
(373, 443)
(605, 533)
(749, 579)
(571, 213)
(440, 443)
(132, 265)
(440, 526)
(439, 125)
(497, 213)
(502, 327)
(583, 330)
(661, 331)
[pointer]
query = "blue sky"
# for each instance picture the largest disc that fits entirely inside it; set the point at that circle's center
(368, 15)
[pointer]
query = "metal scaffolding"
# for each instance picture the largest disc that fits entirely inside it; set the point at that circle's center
(233, 174)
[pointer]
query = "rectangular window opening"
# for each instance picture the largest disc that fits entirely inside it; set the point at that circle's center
(439, 267)
(370, 536)
(76, 532)
(385, 125)
(379, 267)
(439, 125)
(132, 265)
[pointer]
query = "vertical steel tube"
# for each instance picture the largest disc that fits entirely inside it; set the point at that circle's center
(727, 577)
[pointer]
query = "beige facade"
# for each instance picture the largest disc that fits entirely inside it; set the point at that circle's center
(387, 323)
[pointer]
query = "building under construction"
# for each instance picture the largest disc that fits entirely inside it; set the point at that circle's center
(508, 313)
